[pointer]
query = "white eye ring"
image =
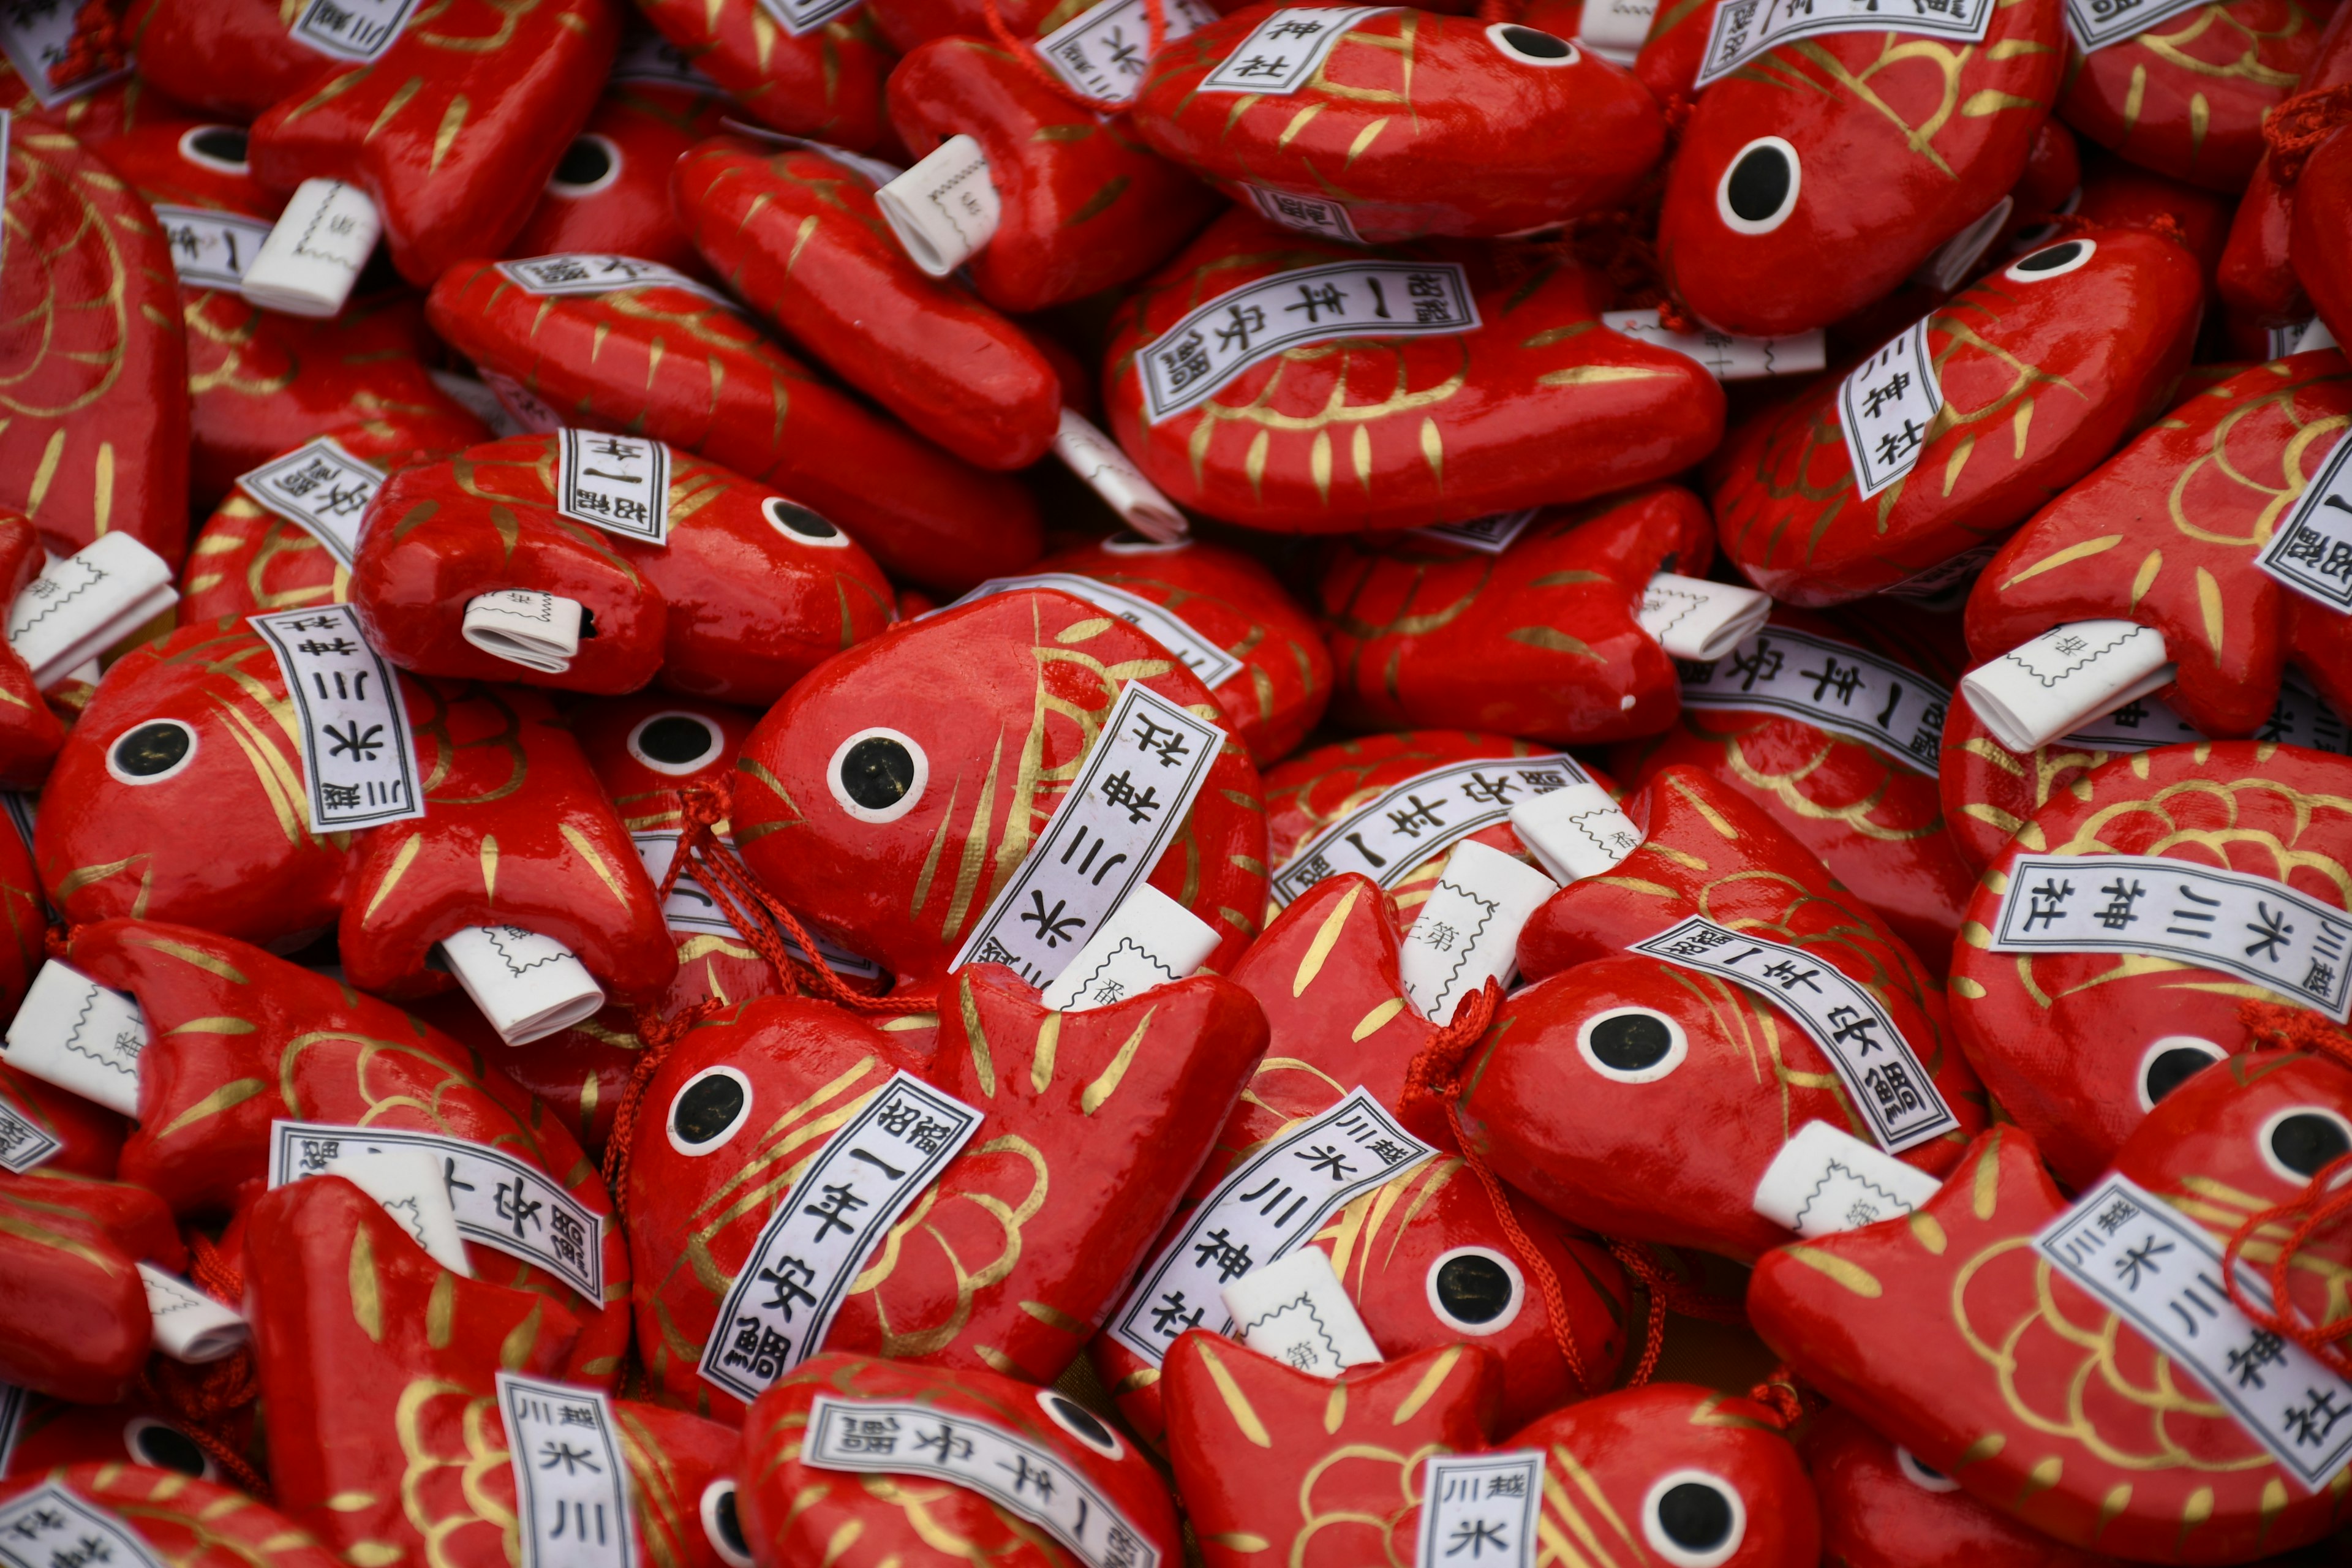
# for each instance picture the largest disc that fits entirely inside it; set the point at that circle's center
(784, 516)
(559, 186)
(1731, 218)
(717, 1495)
(701, 759)
(1919, 1474)
(179, 765)
(2018, 271)
(1666, 1546)
(1502, 35)
(138, 1426)
(1084, 1425)
(895, 809)
(1500, 1321)
(194, 153)
(2279, 1167)
(2164, 1048)
(1677, 1047)
(720, 1139)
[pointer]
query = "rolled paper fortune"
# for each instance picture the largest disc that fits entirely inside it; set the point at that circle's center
(1149, 939)
(521, 626)
(2315, 336)
(1097, 459)
(1823, 1181)
(79, 1035)
(1295, 1310)
(1615, 29)
(1468, 932)
(945, 209)
(315, 252)
(2066, 676)
(190, 1326)
(80, 607)
(1694, 619)
(407, 1184)
(526, 984)
(1576, 832)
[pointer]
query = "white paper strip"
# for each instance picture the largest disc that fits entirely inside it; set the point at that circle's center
(79, 607)
(321, 488)
(945, 209)
(1616, 29)
(1489, 535)
(2032, 695)
(1149, 939)
(1727, 357)
(572, 1479)
(1407, 823)
(1576, 832)
(1296, 1311)
(210, 249)
(800, 16)
(1695, 619)
(316, 250)
(2310, 549)
(359, 756)
(2314, 337)
(190, 1326)
(404, 1179)
(1186, 364)
(527, 985)
(1205, 659)
(828, 1223)
(2096, 24)
(878, 1436)
(1132, 794)
(50, 1527)
(1110, 474)
(2252, 927)
(1834, 685)
(1480, 1508)
(689, 908)
(575, 274)
(1881, 1072)
(2302, 717)
(1468, 930)
(25, 1144)
(352, 29)
(1824, 1180)
(37, 37)
(539, 631)
(1283, 52)
(2161, 1274)
(1100, 52)
(79, 1035)
(1271, 1204)
(1744, 29)
(500, 1202)
(1303, 214)
(1954, 262)
(1886, 402)
(617, 483)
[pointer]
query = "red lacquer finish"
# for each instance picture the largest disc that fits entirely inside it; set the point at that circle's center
(609, 191)
(824, 83)
(233, 58)
(89, 1135)
(30, 734)
(189, 1522)
(2258, 277)
(73, 1312)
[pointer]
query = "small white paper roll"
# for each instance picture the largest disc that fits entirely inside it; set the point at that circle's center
(1695, 619)
(1615, 29)
(945, 209)
(2069, 675)
(407, 1183)
(1295, 1310)
(1576, 832)
(1097, 459)
(315, 252)
(1468, 932)
(80, 607)
(79, 1035)
(521, 626)
(526, 984)
(1149, 939)
(2315, 336)
(190, 1326)
(1824, 1180)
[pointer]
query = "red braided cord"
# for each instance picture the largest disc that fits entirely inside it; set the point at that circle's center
(198, 1399)
(2320, 1203)
(2295, 128)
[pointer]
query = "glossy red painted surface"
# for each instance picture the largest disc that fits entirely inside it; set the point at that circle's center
(617, 362)
(1541, 404)
(1539, 641)
(798, 237)
(2316, 236)
(30, 734)
(1676, 1158)
(1886, 169)
(609, 191)
(73, 1312)
(910, 24)
(1002, 697)
(54, 1434)
(826, 83)
(91, 1135)
(232, 58)
(1900, 1319)
(188, 1521)
(1416, 124)
(2041, 376)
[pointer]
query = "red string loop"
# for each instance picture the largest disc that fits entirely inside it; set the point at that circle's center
(200, 1399)
(1782, 1394)
(2295, 128)
(2327, 1198)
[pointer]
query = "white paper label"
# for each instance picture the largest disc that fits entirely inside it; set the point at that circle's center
(1271, 1204)
(1576, 832)
(1187, 363)
(879, 1437)
(1490, 535)
(2302, 717)
(1725, 357)
(1205, 659)
(617, 483)
(571, 1481)
(1744, 29)
(1616, 29)
(691, 908)
(407, 1183)
(1297, 1311)
(358, 756)
(78, 1036)
(50, 1527)
(1138, 782)
(830, 1221)
(1284, 50)
(1303, 214)
(1100, 53)
(322, 490)
(1427, 813)
(1824, 1180)
(799, 16)
(499, 1200)
(38, 34)
(2252, 927)
(1877, 1065)
(2160, 1273)
(1468, 930)
(2311, 551)
(2096, 24)
(1833, 685)
(352, 29)
(1149, 939)
(1887, 402)
(210, 249)
(1481, 1509)
(23, 1143)
(574, 274)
